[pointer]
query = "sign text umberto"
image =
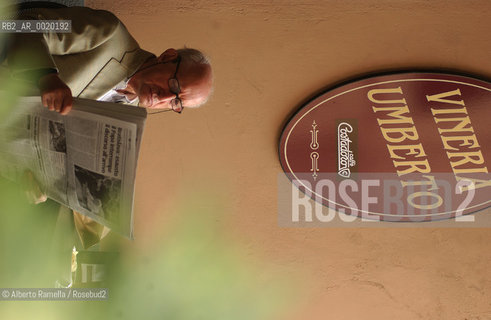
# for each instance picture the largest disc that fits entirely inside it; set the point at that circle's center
(400, 147)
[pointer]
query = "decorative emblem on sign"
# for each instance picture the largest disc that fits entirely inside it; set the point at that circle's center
(420, 144)
(314, 145)
(346, 158)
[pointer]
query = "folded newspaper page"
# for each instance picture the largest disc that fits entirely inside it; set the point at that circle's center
(85, 160)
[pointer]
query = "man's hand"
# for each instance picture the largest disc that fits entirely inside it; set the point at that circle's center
(32, 188)
(55, 94)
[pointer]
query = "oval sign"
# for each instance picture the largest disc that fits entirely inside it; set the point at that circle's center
(400, 147)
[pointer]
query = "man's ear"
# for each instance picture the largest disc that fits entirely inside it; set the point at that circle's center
(168, 55)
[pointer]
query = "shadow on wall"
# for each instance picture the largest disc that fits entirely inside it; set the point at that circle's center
(68, 3)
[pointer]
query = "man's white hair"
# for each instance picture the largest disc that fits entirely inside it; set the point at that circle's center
(190, 57)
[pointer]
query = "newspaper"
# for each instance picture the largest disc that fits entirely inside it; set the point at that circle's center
(85, 160)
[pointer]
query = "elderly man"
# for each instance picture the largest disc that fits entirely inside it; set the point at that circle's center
(100, 60)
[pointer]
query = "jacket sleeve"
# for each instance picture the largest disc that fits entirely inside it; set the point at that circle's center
(32, 53)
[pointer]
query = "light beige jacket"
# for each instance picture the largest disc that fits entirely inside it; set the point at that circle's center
(92, 59)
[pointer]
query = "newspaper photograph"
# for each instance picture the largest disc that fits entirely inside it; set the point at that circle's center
(85, 160)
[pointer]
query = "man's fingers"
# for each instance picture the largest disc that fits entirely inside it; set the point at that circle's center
(56, 95)
(60, 100)
(66, 110)
(44, 100)
(67, 104)
(57, 103)
(50, 103)
(47, 101)
(33, 189)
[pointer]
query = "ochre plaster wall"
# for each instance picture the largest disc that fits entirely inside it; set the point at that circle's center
(268, 57)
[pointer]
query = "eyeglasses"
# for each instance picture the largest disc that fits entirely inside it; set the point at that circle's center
(174, 87)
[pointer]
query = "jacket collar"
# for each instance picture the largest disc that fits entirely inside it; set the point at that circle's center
(113, 72)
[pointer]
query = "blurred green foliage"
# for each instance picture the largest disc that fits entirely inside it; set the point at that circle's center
(194, 272)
